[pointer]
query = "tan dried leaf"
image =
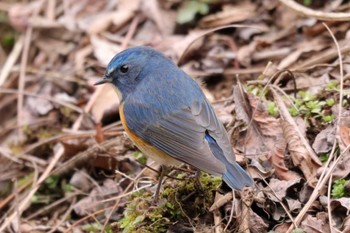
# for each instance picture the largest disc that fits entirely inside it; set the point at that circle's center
(277, 160)
(300, 154)
(107, 99)
(304, 47)
(256, 223)
(229, 14)
(344, 131)
(93, 202)
(312, 224)
(103, 50)
(153, 11)
(343, 138)
(262, 131)
(343, 201)
(346, 224)
(280, 188)
(324, 140)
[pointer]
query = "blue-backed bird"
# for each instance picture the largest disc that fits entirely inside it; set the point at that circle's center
(167, 116)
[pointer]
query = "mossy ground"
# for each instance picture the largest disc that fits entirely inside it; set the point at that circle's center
(181, 202)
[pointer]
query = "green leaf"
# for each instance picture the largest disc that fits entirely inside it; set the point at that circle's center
(307, 2)
(324, 157)
(52, 182)
(140, 157)
(272, 108)
(298, 230)
(328, 118)
(189, 9)
(332, 85)
(330, 102)
(338, 189)
(293, 111)
(306, 96)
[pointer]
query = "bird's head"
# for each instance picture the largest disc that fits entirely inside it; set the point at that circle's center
(123, 71)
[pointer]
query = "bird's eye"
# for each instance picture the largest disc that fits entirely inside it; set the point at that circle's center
(124, 69)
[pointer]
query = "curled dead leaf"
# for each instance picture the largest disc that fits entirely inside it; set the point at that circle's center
(229, 14)
(343, 138)
(277, 160)
(324, 140)
(344, 130)
(313, 224)
(280, 188)
(262, 131)
(300, 156)
(256, 223)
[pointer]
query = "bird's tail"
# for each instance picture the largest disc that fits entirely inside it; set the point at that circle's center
(237, 178)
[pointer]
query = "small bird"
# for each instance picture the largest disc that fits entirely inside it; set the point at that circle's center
(167, 116)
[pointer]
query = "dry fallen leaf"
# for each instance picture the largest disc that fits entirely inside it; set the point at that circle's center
(104, 50)
(324, 140)
(312, 224)
(229, 14)
(342, 168)
(345, 227)
(280, 188)
(80, 180)
(276, 158)
(262, 132)
(107, 100)
(93, 202)
(299, 154)
(256, 223)
(344, 130)
(305, 47)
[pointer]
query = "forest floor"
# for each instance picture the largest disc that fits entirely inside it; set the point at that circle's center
(277, 73)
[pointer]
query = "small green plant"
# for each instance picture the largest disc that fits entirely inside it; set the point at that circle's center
(307, 2)
(189, 9)
(140, 157)
(338, 189)
(328, 118)
(96, 227)
(257, 90)
(272, 108)
(330, 102)
(324, 157)
(298, 230)
(52, 182)
(309, 106)
(332, 86)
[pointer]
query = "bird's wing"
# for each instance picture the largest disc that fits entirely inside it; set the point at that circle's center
(181, 134)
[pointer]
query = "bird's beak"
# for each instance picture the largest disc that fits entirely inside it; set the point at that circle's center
(103, 80)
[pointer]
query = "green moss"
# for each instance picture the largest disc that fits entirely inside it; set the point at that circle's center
(96, 228)
(338, 189)
(298, 230)
(140, 157)
(178, 201)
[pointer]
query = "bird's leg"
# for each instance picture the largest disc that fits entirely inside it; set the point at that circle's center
(197, 184)
(161, 176)
(197, 181)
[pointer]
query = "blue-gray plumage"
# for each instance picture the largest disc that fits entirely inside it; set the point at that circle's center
(166, 109)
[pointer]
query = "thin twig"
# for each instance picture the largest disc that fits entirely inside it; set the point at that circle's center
(329, 209)
(51, 99)
(326, 16)
(65, 216)
(323, 179)
(11, 60)
(22, 76)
